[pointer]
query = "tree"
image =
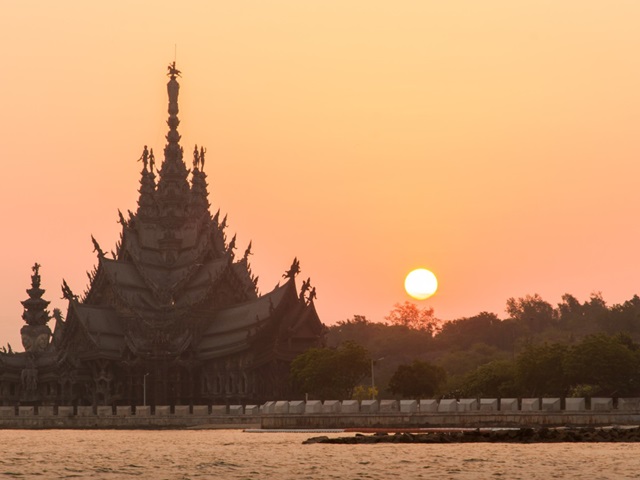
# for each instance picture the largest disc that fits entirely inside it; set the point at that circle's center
(408, 314)
(622, 318)
(609, 364)
(417, 380)
(582, 319)
(464, 332)
(531, 310)
(330, 373)
(493, 379)
(539, 369)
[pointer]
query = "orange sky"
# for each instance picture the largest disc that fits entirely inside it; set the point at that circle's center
(495, 142)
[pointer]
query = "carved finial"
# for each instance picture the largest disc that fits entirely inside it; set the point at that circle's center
(96, 247)
(223, 225)
(35, 278)
(232, 246)
(173, 71)
(247, 252)
(66, 291)
(202, 152)
(293, 270)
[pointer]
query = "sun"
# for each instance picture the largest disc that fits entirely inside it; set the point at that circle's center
(421, 283)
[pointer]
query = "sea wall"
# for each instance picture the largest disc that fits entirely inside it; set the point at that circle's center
(139, 417)
(476, 413)
(314, 414)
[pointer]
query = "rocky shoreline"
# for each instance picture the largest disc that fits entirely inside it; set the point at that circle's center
(515, 435)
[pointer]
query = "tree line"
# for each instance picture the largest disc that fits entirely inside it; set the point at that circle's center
(572, 349)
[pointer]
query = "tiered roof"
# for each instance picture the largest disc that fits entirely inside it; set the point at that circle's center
(174, 281)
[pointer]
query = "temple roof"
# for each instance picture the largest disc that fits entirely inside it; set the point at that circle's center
(175, 282)
(230, 329)
(103, 327)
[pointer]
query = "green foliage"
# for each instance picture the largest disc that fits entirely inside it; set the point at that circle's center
(330, 373)
(531, 311)
(493, 379)
(462, 361)
(363, 392)
(484, 328)
(582, 391)
(574, 347)
(379, 338)
(609, 364)
(622, 318)
(539, 370)
(597, 365)
(396, 343)
(417, 380)
(582, 319)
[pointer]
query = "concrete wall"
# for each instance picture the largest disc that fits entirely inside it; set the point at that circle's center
(336, 414)
(473, 412)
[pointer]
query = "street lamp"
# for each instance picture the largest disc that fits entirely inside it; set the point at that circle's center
(373, 381)
(144, 390)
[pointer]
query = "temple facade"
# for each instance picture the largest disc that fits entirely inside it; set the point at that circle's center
(171, 316)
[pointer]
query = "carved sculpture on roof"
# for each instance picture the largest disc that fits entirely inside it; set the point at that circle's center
(35, 278)
(173, 71)
(306, 284)
(67, 294)
(152, 161)
(232, 245)
(144, 158)
(247, 252)
(196, 157)
(312, 295)
(293, 270)
(96, 247)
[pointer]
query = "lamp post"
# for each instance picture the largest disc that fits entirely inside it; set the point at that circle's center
(373, 381)
(144, 389)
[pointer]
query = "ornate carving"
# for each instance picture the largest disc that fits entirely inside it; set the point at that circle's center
(293, 270)
(144, 158)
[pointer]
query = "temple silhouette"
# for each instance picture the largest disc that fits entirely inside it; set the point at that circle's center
(171, 316)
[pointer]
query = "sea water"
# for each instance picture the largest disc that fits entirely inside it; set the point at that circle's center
(234, 454)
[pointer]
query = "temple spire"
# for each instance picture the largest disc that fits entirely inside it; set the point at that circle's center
(173, 192)
(35, 334)
(173, 88)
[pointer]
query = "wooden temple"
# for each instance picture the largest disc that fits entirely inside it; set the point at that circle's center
(172, 316)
